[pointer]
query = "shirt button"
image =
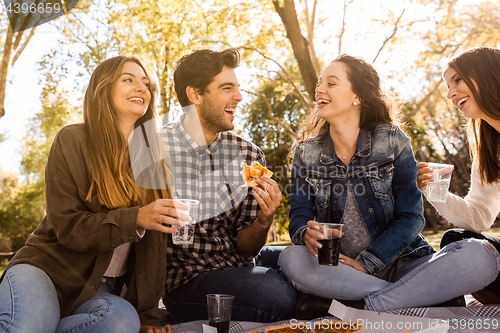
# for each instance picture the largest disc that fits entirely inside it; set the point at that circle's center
(370, 210)
(93, 287)
(140, 276)
(130, 237)
(113, 245)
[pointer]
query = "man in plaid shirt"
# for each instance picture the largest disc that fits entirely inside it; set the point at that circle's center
(233, 221)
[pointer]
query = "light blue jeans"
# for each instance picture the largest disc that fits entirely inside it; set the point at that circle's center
(29, 303)
(459, 268)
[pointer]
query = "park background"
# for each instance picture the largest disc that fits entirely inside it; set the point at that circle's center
(284, 45)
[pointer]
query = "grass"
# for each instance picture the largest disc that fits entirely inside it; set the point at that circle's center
(3, 263)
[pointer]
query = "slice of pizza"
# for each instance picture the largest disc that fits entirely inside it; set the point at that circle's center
(337, 326)
(255, 171)
(286, 328)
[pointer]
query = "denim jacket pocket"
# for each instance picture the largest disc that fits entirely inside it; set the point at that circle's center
(381, 181)
(321, 189)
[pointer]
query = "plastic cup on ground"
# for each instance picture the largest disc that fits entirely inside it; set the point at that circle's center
(219, 311)
(329, 252)
(440, 183)
(185, 234)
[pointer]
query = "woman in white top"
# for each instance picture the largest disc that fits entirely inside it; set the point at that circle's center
(473, 81)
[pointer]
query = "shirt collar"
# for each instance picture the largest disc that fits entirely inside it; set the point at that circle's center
(189, 143)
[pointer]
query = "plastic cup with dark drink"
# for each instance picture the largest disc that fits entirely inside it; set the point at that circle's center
(219, 311)
(329, 252)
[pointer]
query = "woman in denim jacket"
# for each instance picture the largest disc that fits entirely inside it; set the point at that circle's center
(359, 170)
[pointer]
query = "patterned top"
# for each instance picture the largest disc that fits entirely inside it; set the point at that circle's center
(212, 176)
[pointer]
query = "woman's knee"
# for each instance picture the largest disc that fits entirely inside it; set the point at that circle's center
(111, 311)
(292, 257)
(29, 301)
(123, 315)
(484, 256)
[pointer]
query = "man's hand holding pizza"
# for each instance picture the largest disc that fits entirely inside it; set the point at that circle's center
(268, 196)
(267, 193)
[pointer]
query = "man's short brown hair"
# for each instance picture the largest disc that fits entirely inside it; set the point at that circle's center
(199, 68)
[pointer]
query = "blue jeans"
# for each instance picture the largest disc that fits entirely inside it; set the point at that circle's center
(261, 294)
(29, 303)
(427, 280)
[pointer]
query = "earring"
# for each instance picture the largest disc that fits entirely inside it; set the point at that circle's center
(354, 103)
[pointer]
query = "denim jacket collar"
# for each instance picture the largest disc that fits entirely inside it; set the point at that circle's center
(328, 156)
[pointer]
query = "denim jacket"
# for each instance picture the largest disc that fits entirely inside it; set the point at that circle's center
(382, 174)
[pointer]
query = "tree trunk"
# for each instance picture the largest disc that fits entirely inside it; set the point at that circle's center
(165, 109)
(299, 43)
(4, 67)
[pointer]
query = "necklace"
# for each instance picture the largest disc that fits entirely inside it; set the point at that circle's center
(343, 156)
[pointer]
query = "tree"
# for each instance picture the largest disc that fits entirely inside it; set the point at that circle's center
(22, 202)
(270, 104)
(13, 45)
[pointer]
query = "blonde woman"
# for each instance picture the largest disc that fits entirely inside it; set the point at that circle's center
(102, 231)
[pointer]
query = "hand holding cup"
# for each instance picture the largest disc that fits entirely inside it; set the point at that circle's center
(161, 213)
(437, 176)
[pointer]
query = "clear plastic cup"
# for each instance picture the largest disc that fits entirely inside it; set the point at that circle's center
(185, 234)
(219, 311)
(440, 183)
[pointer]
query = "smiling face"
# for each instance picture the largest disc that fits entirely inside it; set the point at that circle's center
(334, 95)
(218, 103)
(461, 96)
(130, 94)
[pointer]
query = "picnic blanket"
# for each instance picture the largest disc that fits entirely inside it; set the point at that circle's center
(470, 319)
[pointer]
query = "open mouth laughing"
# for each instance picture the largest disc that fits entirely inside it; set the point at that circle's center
(462, 101)
(322, 102)
(136, 99)
(231, 110)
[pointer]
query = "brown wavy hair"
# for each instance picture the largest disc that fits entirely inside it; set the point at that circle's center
(376, 105)
(482, 65)
(107, 152)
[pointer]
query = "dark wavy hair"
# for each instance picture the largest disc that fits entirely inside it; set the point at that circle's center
(199, 68)
(376, 106)
(482, 65)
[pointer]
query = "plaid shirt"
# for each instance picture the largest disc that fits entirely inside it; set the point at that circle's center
(212, 176)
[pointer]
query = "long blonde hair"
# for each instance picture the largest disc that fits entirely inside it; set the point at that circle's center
(107, 152)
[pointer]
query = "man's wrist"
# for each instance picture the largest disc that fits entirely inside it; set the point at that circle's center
(264, 222)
